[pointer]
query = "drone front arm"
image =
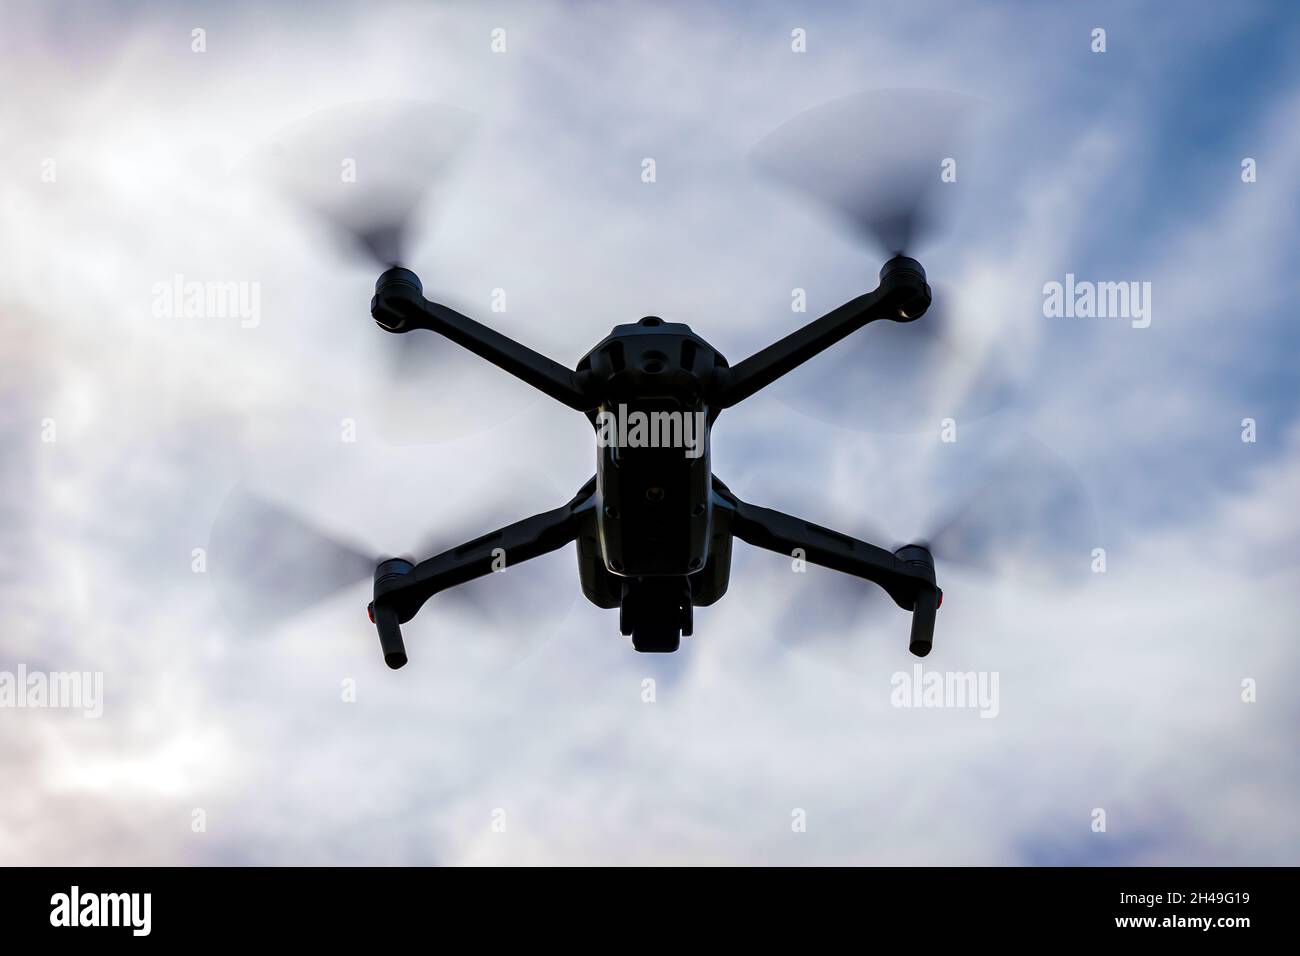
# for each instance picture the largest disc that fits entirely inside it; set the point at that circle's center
(504, 352)
(401, 590)
(902, 295)
(902, 580)
(399, 305)
(764, 367)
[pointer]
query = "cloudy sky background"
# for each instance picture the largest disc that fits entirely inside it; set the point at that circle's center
(1119, 691)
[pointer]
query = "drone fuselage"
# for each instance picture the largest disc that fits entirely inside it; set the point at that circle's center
(654, 476)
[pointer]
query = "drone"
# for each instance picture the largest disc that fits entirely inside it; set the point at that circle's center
(654, 527)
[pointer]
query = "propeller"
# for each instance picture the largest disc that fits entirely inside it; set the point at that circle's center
(270, 563)
(368, 172)
(981, 505)
(1014, 500)
(367, 169)
(876, 160)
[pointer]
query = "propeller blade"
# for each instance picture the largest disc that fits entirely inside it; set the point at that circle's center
(268, 564)
(366, 169)
(875, 158)
(1023, 501)
(980, 505)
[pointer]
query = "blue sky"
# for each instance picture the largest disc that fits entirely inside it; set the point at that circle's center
(1119, 691)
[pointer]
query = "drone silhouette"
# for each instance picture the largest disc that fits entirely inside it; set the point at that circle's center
(654, 526)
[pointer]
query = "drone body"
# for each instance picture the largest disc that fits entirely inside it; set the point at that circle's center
(654, 526)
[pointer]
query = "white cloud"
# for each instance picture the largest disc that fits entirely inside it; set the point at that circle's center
(1119, 690)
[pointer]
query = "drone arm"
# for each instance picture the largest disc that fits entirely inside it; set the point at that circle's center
(405, 593)
(504, 352)
(905, 581)
(902, 295)
(766, 366)
(399, 306)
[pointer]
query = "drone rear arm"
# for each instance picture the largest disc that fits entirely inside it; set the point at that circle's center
(909, 579)
(399, 305)
(401, 590)
(901, 296)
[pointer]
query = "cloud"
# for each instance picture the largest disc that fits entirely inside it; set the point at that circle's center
(1119, 690)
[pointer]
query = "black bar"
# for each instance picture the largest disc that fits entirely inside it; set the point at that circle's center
(978, 906)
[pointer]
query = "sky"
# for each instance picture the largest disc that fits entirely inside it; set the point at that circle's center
(1160, 690)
